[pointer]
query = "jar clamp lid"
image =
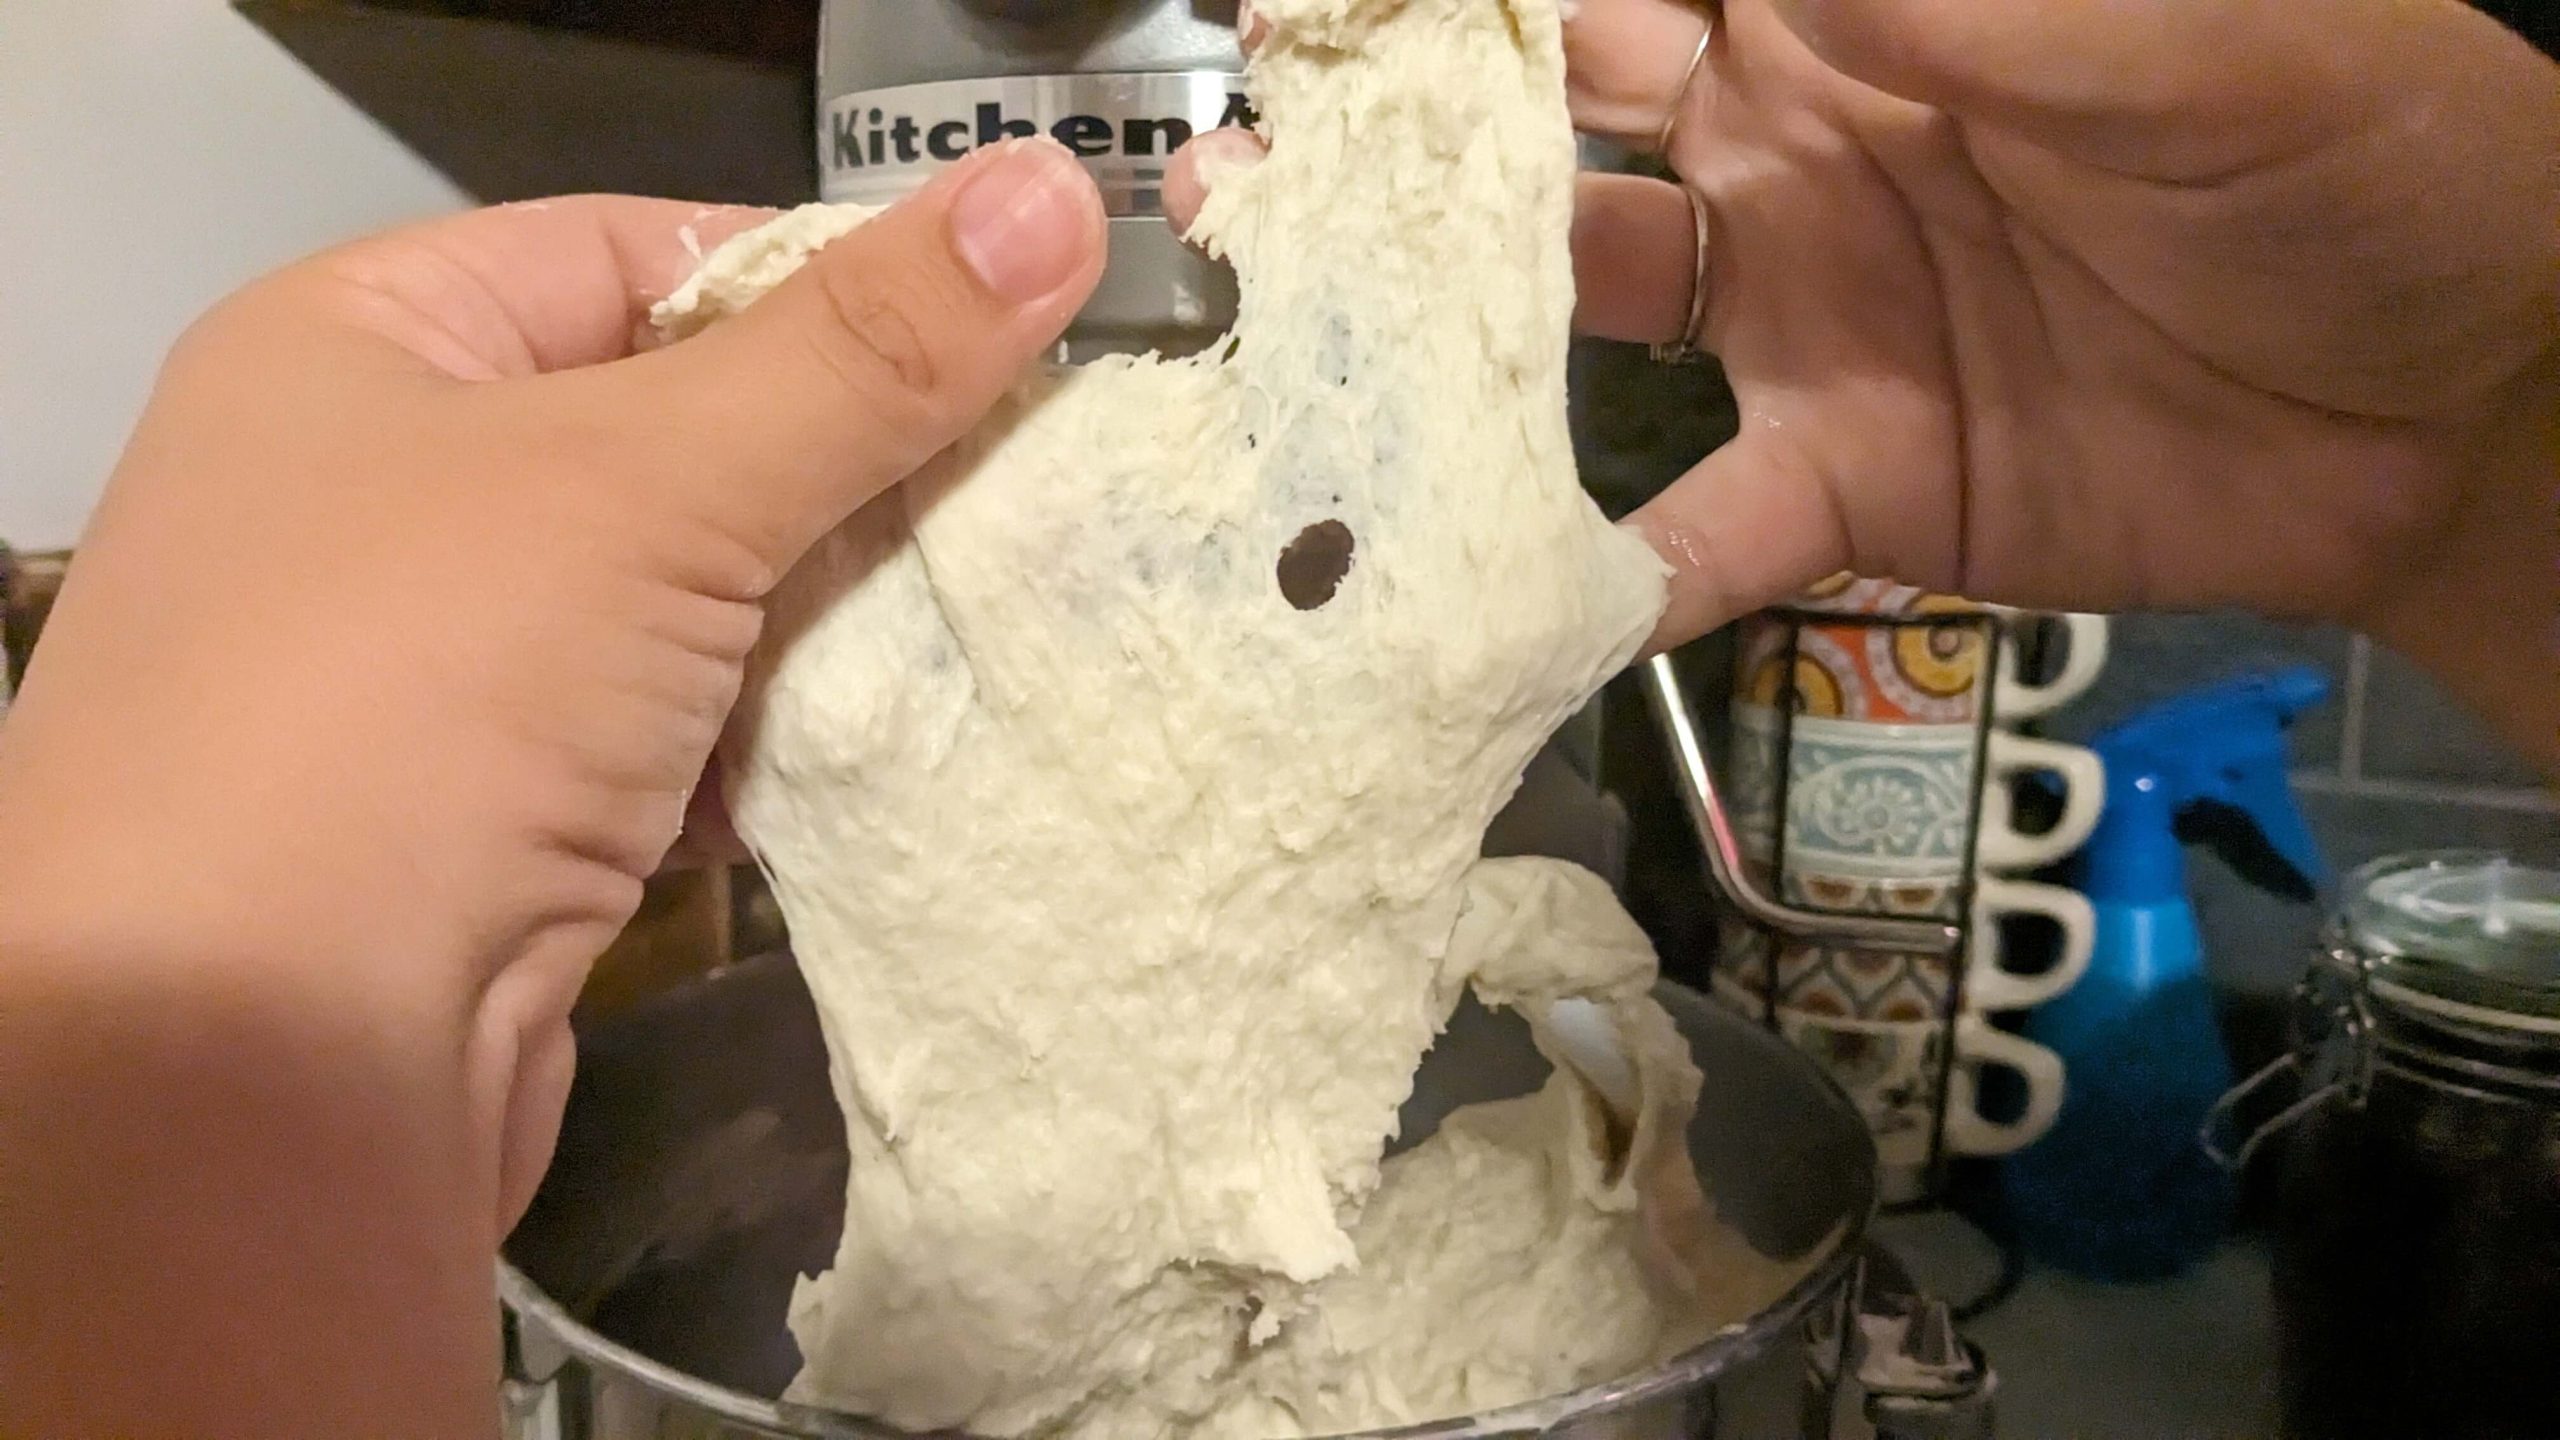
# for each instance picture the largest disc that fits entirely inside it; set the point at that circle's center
(2442, 967)
(2469, 935)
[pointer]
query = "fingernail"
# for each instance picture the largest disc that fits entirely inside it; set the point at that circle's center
(1023, 223)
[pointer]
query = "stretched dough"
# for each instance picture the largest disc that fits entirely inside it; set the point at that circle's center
(1123, 778)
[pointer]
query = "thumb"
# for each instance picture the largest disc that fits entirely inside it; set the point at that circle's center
(776, 424)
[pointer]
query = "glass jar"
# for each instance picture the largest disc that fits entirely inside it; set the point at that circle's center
(2417, 1246)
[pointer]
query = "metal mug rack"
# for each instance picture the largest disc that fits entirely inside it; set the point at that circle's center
(1694, 775)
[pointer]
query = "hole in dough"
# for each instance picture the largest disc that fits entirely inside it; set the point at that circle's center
(1312, 566)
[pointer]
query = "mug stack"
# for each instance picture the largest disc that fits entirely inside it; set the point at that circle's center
(1874, 757)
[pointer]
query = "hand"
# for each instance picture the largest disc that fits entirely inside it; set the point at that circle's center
(378, 686)
(2211, 303)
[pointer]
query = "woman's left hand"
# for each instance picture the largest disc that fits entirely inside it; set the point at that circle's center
(380, 683)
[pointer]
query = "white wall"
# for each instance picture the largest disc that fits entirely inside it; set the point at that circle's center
(154, 154)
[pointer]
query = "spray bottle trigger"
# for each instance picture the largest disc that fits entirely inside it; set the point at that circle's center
(2263, 795)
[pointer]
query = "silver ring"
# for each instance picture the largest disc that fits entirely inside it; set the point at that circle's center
(1685, 351)
(1688, 82)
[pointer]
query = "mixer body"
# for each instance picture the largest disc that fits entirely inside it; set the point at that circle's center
(908, 87)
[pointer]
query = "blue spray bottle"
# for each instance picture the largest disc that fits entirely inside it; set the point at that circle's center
(2121, 1189)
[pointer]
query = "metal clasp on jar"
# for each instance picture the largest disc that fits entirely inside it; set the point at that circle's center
(2332, 1058)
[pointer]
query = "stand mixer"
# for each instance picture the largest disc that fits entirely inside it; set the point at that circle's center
(643, 1299)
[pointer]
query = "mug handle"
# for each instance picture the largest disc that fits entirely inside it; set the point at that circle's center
(1978, 1043)
(1999, 845)
(2014, 699)
(1990, 986)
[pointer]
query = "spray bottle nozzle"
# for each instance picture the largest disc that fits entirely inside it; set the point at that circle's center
(2223, 744)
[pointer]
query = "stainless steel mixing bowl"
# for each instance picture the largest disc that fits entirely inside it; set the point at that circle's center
(701, 1169)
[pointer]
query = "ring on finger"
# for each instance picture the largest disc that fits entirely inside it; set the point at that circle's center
(1685, 351)
(1688, 82)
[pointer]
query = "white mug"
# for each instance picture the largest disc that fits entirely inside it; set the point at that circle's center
(1988, 985)
(2013, 699)
(1890, 1071)
(1979, 1043)
(1998, 843)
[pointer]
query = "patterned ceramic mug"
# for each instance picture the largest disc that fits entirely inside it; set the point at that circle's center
(1895, 652)
(1809, 976)
(1898, 801)
(1922, 669)
(1918, 1087)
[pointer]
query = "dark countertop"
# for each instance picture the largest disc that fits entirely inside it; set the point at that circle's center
(2186, 1359)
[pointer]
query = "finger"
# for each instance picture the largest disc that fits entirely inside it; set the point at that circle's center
(1634, 238)
(1251, 28)
(1751, 524)
(1627, 63)
(521, 289)
(883, 349)
(1635, 258)
(1198, 167)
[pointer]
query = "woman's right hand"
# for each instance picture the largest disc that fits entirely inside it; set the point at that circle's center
(2211, 302)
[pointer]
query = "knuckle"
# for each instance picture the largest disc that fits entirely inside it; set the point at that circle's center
(874, 346)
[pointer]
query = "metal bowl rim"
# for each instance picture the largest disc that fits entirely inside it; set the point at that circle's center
(1726, 1350)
